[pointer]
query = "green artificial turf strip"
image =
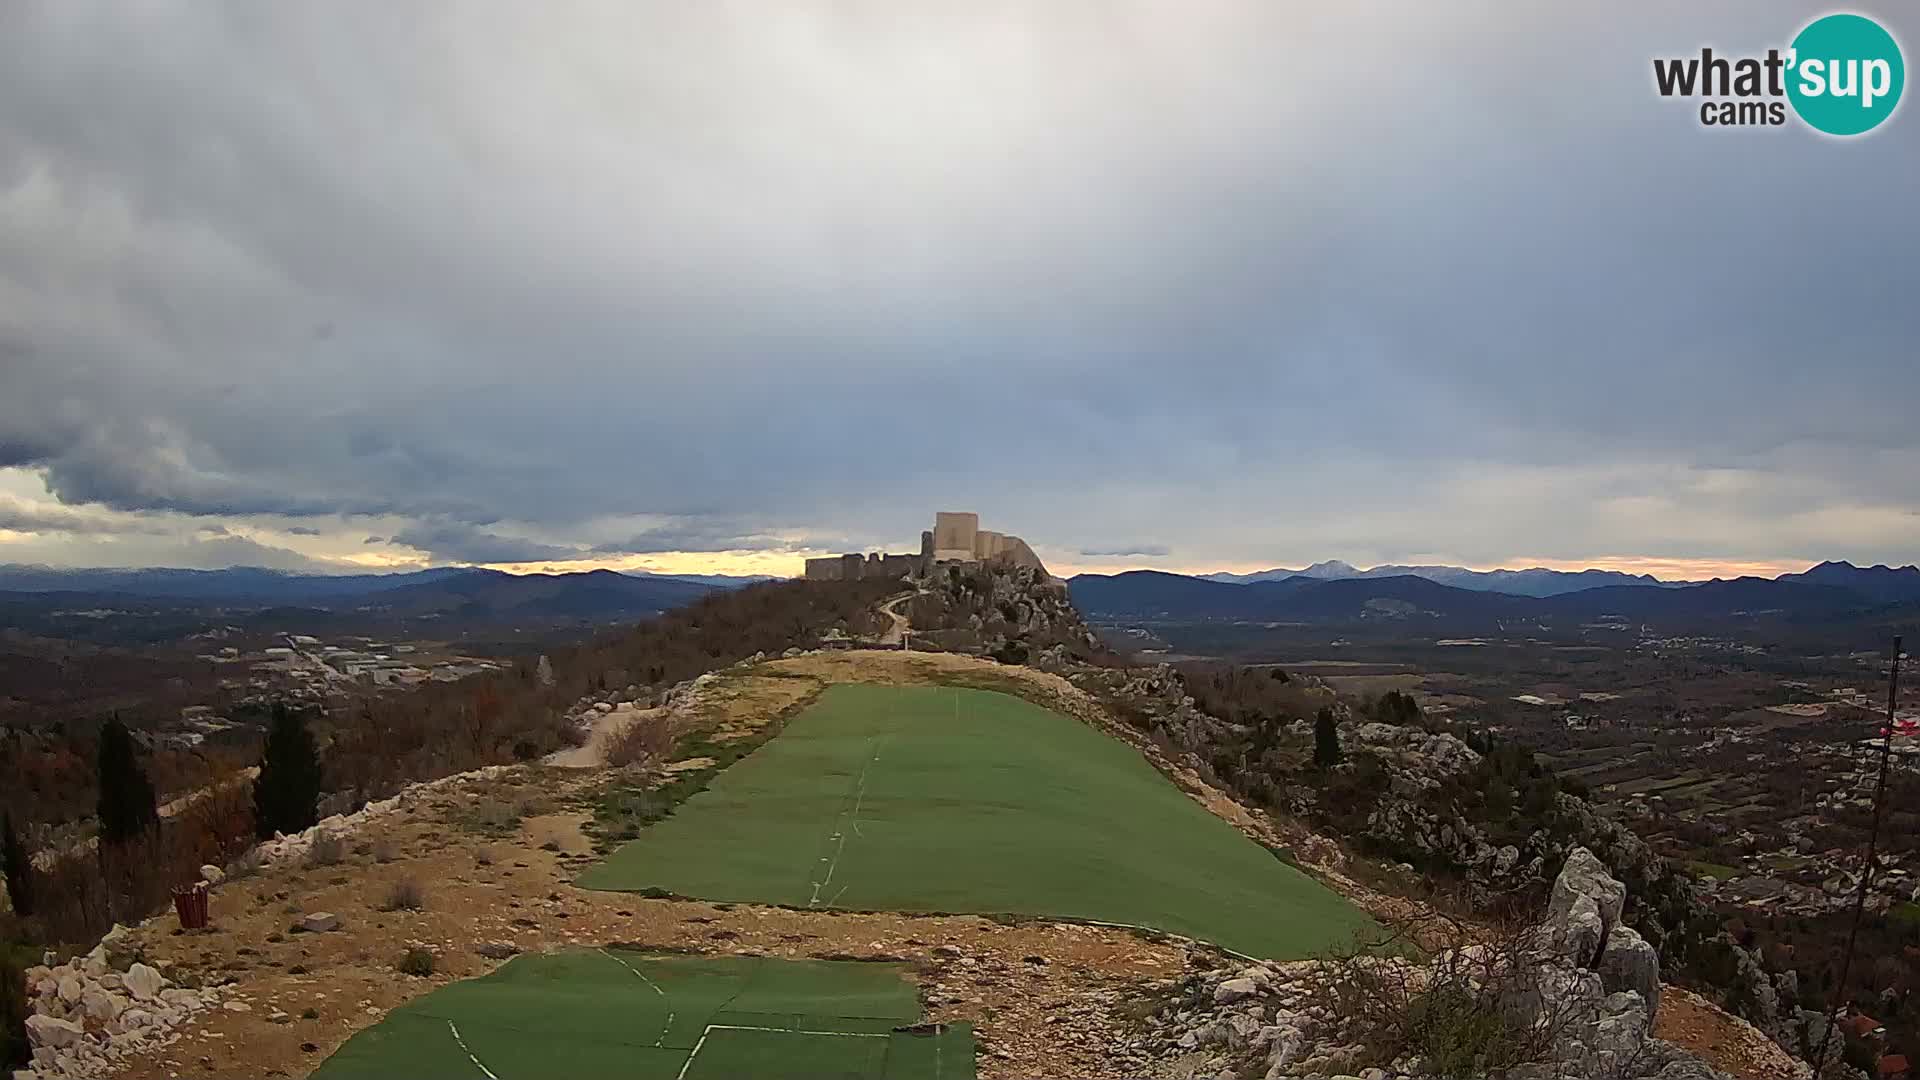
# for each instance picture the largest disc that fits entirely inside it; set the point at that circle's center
(595, 1014)
(942, 799)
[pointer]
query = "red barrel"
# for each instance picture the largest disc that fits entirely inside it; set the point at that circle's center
(190, 904)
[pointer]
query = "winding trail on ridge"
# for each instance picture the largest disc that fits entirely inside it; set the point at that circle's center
(895, 634)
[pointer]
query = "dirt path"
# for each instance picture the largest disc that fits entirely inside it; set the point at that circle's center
(607, 727)
(893, 635)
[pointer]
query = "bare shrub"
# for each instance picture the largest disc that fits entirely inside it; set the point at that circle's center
(1467, 999)
(328, 850)
(85, 892)
(245, 865)
(643, 742)
(384, 851)
(404, 895)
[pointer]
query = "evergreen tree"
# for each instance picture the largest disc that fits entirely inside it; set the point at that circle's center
(1397, 708)
(18, 866)
(126, 794)
(286, 794)
(1326, 739)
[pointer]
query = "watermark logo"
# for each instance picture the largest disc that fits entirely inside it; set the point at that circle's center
(1841, 75)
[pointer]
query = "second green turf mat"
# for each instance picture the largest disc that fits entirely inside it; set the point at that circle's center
(607, 1014)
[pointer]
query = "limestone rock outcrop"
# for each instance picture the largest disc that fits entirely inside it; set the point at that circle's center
(1583, 977)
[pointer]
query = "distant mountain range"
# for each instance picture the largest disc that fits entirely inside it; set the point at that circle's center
(463, 593)
(1830, 589)
(596, 595)
(252, 584)
(1535, 582)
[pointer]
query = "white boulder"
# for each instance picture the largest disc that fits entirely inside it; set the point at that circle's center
(143, 982)
(1233, 990)
(101, 1004)
(320, 922)
(47, 1031)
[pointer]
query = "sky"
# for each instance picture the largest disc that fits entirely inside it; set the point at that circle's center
(717, 286)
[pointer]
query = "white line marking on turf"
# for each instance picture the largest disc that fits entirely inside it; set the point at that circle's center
(801, 1031)
(698, 1043)
(664, 1028)
(711, 1028)
(840, 836)
(470, 1057)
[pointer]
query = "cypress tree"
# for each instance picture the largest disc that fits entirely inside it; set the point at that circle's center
(126, 794)
(286, 794)
(1326, 739)
(18, 866)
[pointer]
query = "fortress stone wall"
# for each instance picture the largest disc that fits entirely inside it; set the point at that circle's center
(956, 537)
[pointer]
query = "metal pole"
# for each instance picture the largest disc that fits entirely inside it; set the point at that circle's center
(1866, 869)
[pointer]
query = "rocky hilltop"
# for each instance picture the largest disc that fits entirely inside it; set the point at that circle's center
(1579, 991)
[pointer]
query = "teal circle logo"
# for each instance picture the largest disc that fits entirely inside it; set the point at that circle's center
(1845, 74)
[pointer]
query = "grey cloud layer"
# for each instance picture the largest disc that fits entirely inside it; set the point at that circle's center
(1258, 282)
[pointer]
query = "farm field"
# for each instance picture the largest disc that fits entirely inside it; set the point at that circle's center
(590, 1014)
(941, 799)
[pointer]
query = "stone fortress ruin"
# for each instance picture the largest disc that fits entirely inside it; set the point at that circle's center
(956, 537)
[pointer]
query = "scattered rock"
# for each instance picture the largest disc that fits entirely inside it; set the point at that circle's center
(102, 1005)
(143, 982)
(1233, 990)
(320, 922)
(47, 1031)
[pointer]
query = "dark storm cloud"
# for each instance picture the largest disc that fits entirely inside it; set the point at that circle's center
(156, 549)
(708, 535)
(449, 541)
(1267, 282)
(39, 518)
(1122, 551)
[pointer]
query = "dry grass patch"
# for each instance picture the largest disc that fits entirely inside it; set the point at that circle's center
(738, 706)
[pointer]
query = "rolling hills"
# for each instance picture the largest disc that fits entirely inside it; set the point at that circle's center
(1831, 590)
(1537, 581)
(257, 585)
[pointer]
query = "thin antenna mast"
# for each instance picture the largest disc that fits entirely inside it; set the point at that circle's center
(1867, 865)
